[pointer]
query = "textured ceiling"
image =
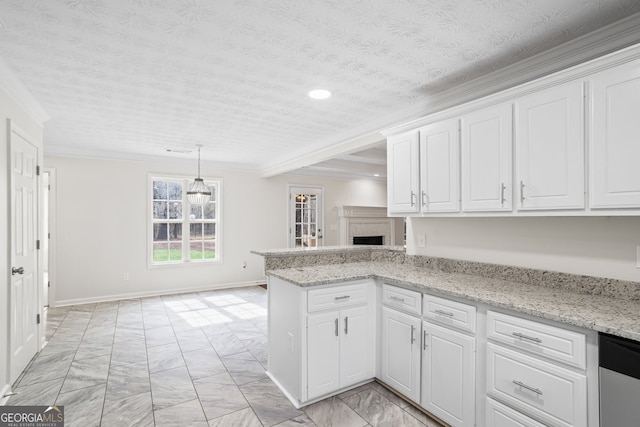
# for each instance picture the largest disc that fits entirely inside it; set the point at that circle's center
(135, 77)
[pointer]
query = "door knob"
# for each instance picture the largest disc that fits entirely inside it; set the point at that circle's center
(19, 270)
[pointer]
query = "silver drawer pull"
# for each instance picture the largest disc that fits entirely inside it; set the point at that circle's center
(526, 337)
(413, 338)
(342, 297)
(528, 387)
(396, 299)
(444, 313)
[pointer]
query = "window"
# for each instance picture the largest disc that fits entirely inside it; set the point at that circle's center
(180, 232)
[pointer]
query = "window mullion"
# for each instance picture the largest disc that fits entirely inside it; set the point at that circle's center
(186, 222)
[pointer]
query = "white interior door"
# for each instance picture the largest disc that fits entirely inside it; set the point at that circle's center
(24, 261)
(306, 217)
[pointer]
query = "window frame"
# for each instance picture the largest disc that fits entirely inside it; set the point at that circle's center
(185, 221)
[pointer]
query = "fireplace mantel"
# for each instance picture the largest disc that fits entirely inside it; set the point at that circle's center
(365, 221)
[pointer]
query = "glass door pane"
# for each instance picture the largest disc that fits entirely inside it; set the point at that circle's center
(306, 217)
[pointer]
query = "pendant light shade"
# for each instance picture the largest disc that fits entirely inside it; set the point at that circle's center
(199, 194)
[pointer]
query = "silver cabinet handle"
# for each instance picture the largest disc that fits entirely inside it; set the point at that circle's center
(413, 198)
(394, 298)
(425, 199)
(342, 297)
(521, 193)
(526, 337)
(336, 322)
(346, 325)
(424, 340)
(413, 338)
(444, 313)
(528, 387)
(502, 187)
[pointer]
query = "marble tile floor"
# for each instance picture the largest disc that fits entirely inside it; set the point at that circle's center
(195, 359)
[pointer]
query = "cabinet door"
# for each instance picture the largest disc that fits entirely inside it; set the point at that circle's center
(403, 173)
(439, 170)
(550, 149)
(323, 354)
(356, 346)
(615, 138)
(401, 352)
(448, 375)
(486, 157)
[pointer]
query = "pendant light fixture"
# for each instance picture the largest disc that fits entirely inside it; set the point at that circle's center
(199, 194)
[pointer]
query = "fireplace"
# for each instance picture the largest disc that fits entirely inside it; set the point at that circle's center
(365, 225)
(368, 240)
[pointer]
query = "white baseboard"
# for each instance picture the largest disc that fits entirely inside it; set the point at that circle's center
(159, 292)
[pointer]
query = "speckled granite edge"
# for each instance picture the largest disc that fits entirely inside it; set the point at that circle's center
(294, 258)
(550, 279)
(288, 258)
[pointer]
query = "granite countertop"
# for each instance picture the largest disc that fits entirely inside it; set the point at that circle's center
(328, 250)
(616, 316)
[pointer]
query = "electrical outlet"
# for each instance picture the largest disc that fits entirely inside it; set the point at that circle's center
(290, 342)
(125, 276)
(243, 266)
(422, 240)
(637, 256)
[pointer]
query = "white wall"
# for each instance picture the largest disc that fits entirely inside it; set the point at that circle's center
(597, 246)
(101, 225)
(9, 109)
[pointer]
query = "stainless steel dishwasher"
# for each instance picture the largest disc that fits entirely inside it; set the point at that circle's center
(619, 382)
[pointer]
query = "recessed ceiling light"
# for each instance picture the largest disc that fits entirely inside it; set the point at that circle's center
(319, 94)
(376, 174)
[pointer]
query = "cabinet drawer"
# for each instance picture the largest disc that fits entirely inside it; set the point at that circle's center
(450, 313)
(537, 388)
(499, 415)
(553, 342)
(336, 297)
(403, 299)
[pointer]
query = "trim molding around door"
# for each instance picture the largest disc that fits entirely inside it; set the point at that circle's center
(293, 188)
(53, 235)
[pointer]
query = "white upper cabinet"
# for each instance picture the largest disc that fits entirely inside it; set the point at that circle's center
(486, 158)
(403, 173)
(550, 148)
(615, 137)
(439, 167)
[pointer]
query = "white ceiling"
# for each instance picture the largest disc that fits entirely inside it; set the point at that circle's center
(133, 78)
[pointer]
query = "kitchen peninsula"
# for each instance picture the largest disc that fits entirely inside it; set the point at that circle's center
(494, 318)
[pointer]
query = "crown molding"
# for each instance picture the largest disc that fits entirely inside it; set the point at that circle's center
(74, 153)
(14, 87)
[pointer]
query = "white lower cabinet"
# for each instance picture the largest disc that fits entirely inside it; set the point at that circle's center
(499, 415)
(338, 353)
(400, 358)
(448, 375)
(321, 340)
(540, 372)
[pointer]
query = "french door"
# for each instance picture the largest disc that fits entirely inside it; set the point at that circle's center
(306, 217)
(24, 295)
